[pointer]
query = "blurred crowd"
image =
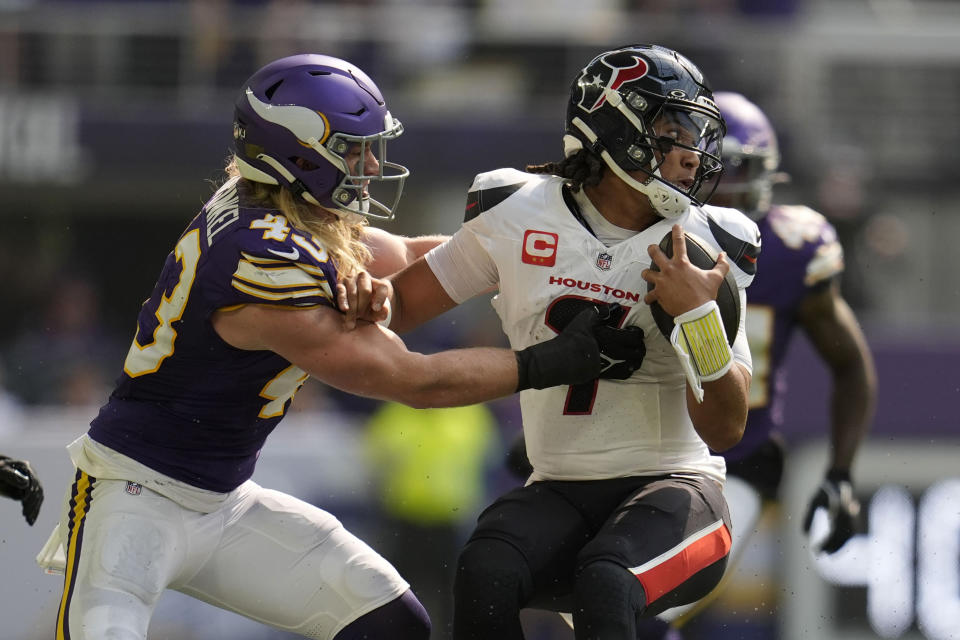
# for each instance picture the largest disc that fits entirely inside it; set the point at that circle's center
(72, 293)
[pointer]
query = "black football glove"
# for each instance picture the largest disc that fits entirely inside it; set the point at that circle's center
(621, 350)
(835, 495)
(583, 351)
(18, 481)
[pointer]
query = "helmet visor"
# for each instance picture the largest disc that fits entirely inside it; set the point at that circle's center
(688, 128)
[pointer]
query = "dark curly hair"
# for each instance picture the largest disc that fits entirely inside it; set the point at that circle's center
(581, 169)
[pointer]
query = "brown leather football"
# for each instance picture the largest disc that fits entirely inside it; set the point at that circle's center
(701, 254)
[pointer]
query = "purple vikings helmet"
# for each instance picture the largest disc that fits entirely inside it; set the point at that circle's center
(750, 156)
(614, 104)
(297, 119)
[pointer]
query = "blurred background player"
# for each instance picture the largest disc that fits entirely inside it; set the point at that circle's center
(19, 482)
(797, 285)
(242, 313)
(430, 466)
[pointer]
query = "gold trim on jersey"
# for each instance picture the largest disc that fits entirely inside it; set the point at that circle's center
(280, 277)
(280, 390)
(284, 295)
(268, 262)
(263, 282)
(258, 260)
(312, 246)
(144, 359)
(79, 508)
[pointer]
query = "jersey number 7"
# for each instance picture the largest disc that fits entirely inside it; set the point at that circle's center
(580, 397)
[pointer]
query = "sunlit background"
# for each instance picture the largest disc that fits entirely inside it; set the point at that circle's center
(115, 121)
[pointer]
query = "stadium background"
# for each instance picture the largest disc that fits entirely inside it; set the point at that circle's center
(115, 119)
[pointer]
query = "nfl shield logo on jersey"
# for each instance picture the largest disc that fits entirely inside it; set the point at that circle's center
(604, 260)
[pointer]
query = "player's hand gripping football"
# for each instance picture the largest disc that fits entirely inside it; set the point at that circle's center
(679, 285)
(835, 496)
(363, 297)
(586, 349)
(18, 481)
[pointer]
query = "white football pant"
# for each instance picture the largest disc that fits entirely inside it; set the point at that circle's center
(263, 554)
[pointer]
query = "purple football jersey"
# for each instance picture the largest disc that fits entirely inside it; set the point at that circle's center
(800, 254)
(188, 404)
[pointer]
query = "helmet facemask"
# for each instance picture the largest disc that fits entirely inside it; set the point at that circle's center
(376, 193)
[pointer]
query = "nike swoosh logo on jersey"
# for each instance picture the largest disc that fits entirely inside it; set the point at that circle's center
(293, 254)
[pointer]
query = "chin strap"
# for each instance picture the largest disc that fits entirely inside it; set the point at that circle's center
(700, 341)
(666, 200)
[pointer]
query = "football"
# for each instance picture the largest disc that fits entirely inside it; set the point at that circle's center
(704, 256)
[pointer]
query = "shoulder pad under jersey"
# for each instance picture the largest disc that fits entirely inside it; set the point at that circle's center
(491, 188)
(737, 235)
(802, 229)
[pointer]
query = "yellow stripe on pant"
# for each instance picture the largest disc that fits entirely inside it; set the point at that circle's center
(81, 497)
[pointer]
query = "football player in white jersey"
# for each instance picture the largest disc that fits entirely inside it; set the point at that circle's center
(797, 288)
(623, 515)
(242, 313)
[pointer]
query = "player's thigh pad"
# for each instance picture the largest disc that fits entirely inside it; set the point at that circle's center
(291, 565)
(124, 545)
(673, 534)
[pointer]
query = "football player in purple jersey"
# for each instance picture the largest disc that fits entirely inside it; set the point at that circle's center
(243, 312)
(802, 263)
(796, 287)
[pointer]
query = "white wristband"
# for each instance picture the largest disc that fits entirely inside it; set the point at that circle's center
(700, 342)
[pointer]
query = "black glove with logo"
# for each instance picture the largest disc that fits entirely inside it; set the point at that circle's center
(836, 497)
(586, 349)
(621, 350)
(18, 481)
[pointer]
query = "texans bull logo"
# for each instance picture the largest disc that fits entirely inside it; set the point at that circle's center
(609, 72)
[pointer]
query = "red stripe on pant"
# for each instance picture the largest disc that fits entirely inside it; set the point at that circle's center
(669, 570)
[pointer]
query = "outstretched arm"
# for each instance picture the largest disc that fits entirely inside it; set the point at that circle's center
(834, 332)
(373, 362)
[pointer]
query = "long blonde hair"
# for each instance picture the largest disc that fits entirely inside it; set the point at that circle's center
(342, 239)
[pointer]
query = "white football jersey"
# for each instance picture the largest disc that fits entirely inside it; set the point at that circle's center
(522, 235)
